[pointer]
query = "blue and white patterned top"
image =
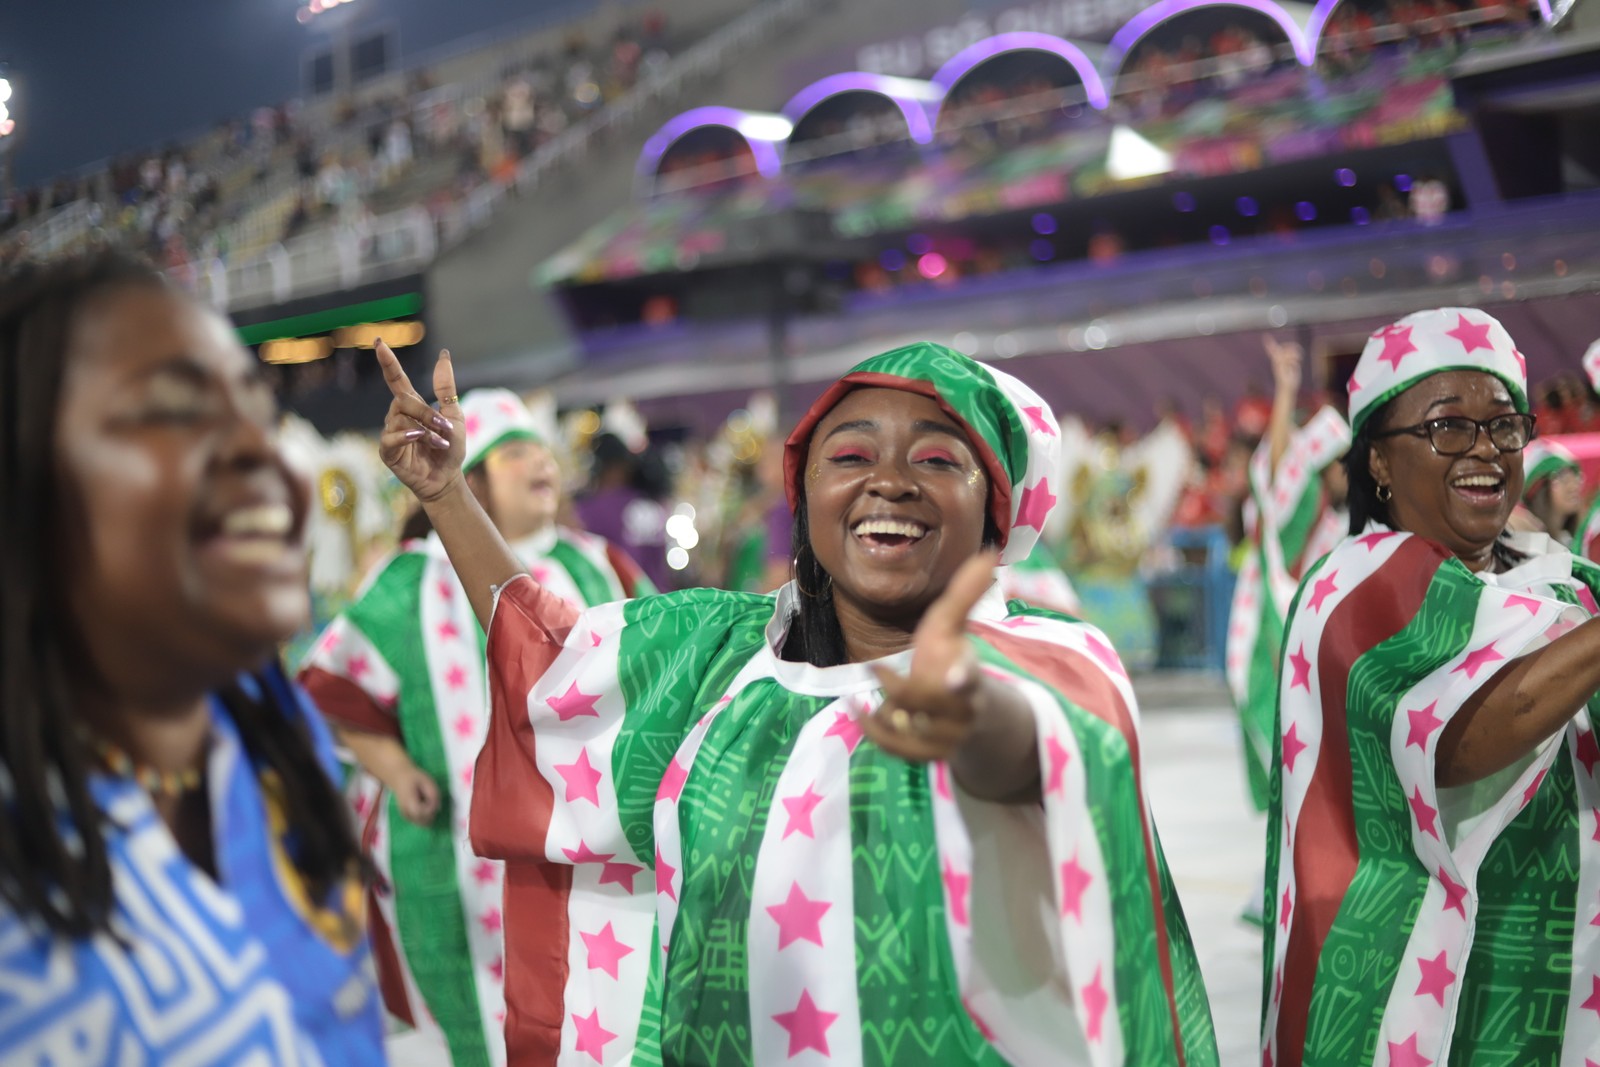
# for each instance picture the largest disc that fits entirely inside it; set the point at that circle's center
(235, 970)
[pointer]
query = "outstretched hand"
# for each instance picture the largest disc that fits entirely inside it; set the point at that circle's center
(425, 448)
(1287, 358)
(930, 712)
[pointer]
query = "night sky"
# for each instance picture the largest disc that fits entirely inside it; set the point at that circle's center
(97, 77)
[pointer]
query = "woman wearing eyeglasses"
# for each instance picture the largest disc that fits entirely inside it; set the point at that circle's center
(1433, 856)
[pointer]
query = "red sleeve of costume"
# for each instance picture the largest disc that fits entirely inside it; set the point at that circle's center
(629, 573)
(344, 703)
(511, 801)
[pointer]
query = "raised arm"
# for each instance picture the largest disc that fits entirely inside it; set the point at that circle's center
(1530, 699)
(425, 449)
(1286, 360)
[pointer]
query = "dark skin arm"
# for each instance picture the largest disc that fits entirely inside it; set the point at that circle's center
(980, 725)
(1527, 701)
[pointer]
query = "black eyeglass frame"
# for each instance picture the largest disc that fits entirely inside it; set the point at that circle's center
(1429, 427)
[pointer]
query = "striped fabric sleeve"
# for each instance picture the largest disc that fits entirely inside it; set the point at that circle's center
(350, 681)
(1058, 912)
(635, 583)
(1392, 635)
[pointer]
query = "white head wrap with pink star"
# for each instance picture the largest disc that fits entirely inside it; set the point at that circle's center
(495, 416)
(1591, 364)
(1430, 342)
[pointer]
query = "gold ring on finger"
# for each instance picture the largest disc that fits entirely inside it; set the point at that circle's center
(900, 720)
(448, 399)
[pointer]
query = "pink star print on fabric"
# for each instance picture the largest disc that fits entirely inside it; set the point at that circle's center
(592, 1037)
(456, 677)
(1037, 500)
(1302, 670)
(1517, 600)
(1522, 362)
(1292, 746)
(1322, 589)
(846, 729)
(491, 921)
(1455, 894)
(1057, 755)
(446, 590)
(1105, 654)
(583, 780)
(1436, 977)
(800, 809)
(1095, 1001)
(584, 854)
(1593, 1003)
(1423, 723)
(1533, 788)
(1037, 421)
(605, 951)
(1476, 660)
(357, 667)
(573, 704)
(1424, 814)
(664, 873)
(1471, 337)
(1588, 750)
(1397, 345)
(464, 726)
(1074, 880)
(807, 1026)
(619, 874)
(799, 918)
(672, 781)
(473, 424)
(1285, 908)
(955, 887)
(1372, 540)
(1405, 1054)
(448, 631)
(483, 873)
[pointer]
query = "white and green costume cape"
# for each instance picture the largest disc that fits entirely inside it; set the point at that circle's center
(1410, 925)
(723, 871)
(406, 660)
(1295, 526)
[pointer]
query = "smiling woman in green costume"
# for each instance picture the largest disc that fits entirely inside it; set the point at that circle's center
(876, 818)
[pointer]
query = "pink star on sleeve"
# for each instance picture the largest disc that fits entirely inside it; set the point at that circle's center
(955, 887)
(1302, 670)
(1436, 977)
(1455, 894)
(1424, 814)
(846, 729)
(807, 1026)
(1095, 1002)
(582, 778)
(799, 918)
(1038, 422)
(1074, 880)
(664, 873)
(1517, 600)
(1322, 589)
(357, 666)
(605, 951)
(1476, 660)
(1105, 654)
(1405, 1054)
(1058, 756)
(448, 631)
(1292, 747)
(584, 854)
(573, 704)
(1423, 723)
(592, 1037)
(671, 787)
(800, 808)
(456, 677)
(619, 874)
(1593, 1003)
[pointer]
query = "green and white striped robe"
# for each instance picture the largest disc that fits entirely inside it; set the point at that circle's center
(406, 660)
(724, 872)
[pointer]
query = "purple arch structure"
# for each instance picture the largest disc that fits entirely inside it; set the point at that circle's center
(769, 160)
(1134, 30)
(917, 100)
(1323, 12)
(960, 64)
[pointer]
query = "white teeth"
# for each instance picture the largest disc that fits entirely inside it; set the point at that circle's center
(1478, 481)
(261, 520)
(890, 527)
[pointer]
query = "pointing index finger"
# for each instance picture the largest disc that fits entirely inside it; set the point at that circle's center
(393, 374)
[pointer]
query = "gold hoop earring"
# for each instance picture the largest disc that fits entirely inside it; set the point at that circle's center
(1384, 494)
(808, 594)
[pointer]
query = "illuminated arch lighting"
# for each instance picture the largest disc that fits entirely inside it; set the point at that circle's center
(963, 62)
(1134, 30)
(763, 132)
(915, 99)
(1322, 14)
